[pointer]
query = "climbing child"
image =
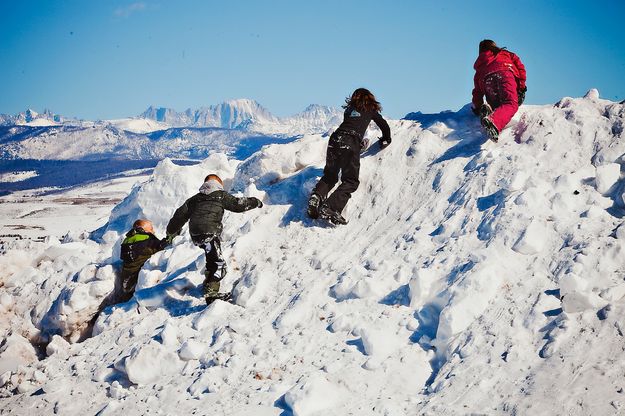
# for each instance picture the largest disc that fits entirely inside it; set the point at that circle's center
(205, 211)
(500, 75)
(343, 156)
(138, 246)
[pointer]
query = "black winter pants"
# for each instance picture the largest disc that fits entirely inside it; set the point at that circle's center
(343, 156)
(215, 265)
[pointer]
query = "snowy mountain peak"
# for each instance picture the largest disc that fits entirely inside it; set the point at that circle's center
(248, 114)
(317, 110)
(229, 114)
(592, 94)
(30, 115)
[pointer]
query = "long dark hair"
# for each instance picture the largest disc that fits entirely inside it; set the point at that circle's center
(363, 100)
(490, 45)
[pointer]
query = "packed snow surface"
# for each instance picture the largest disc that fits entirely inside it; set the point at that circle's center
(472, 278)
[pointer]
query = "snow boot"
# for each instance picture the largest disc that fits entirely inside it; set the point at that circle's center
(491, 130)
(331, 215)
(313, 206)
(225, 296)
(485, 110)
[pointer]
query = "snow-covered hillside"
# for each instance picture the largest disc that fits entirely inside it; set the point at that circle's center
(472, 278)
(103, 141)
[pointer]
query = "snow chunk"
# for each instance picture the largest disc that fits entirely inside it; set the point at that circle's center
(6, 302)
(169, 334)
(252, 288)
(420, 286)
(467, 301)
(379, 343)
(216, 309)
(607, 176)
(577, 294)
(313, 395)
(58, 345)
(16, 351)
(140, 364)
(533, 239)
(191, 350)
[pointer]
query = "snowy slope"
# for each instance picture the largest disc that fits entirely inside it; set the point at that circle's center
(472, 278)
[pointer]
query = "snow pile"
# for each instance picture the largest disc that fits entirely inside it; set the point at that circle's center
(169, 186)
(277, 162)
(472, 277)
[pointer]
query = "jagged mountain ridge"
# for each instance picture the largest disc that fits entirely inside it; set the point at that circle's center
(157, 133)
(32, 118)
(244, 114)
(247, 114)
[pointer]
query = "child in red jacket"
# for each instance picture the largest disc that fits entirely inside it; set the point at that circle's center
(500, 75)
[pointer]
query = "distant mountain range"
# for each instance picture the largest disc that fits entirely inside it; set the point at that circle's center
(240, 114)
(157, 132)
(31, 118)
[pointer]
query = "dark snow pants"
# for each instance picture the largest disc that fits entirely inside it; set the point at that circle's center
(215, 269)
(501, 93)
(343, 156)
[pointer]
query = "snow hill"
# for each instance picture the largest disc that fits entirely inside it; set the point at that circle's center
(472, 278)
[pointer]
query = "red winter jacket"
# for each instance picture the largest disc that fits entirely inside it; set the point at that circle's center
(487, 63)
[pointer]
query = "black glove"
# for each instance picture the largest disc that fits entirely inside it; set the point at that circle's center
(521, 94)
(259, 203)
(384, 141)
(168, 239)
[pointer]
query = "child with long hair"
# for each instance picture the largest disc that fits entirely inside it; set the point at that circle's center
(500, 75)
(343, 156)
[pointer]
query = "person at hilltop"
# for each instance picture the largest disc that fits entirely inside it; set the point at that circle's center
(205, 211)
(500, 76)
(343, 156)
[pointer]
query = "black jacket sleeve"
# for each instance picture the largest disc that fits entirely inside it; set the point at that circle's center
(181, 216)
(156, 244)
(234, 204)
(383, 125)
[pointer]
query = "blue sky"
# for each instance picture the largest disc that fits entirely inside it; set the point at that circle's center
(108, 59)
